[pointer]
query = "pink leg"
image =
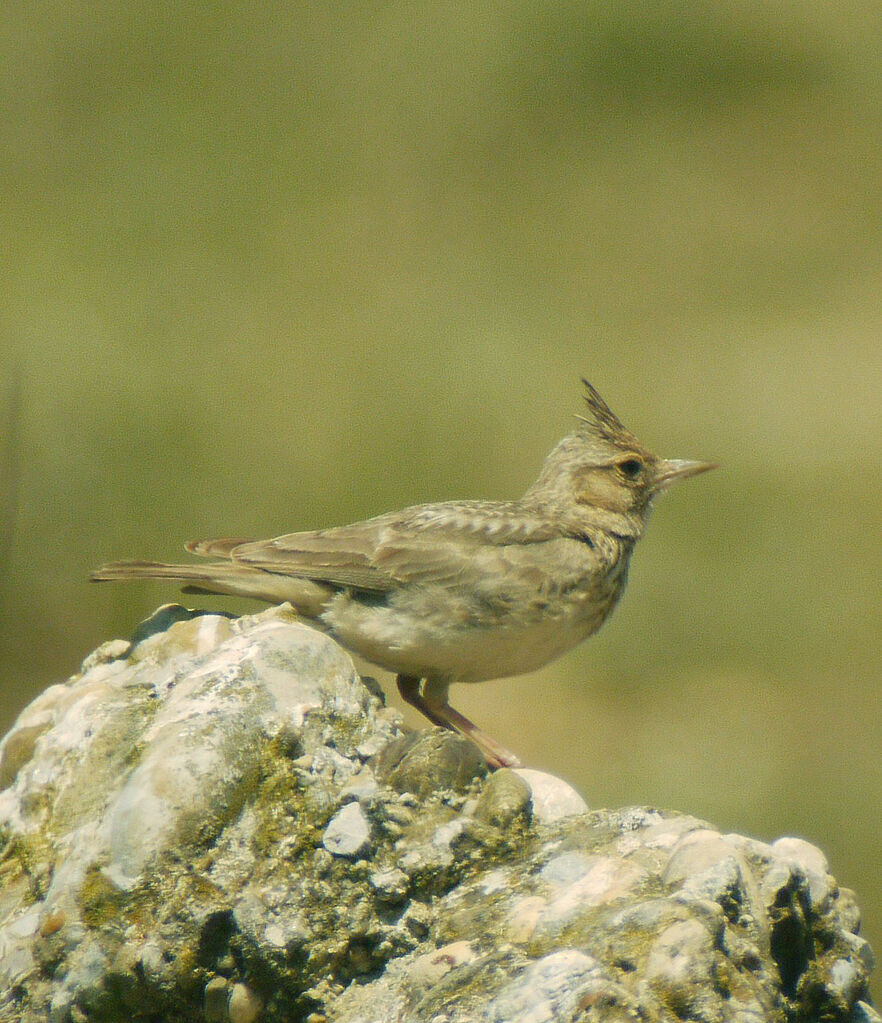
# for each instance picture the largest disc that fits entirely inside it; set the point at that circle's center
(409, 687)
(433, 703)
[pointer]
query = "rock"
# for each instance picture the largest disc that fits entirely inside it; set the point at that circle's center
(427, 970)
(216, 1000)
(549, 989)
(391, 884)
(424, 762)
(219, 821)
(505, 800)
(348, 832)
(245, 1006)
(863, 1012)
(551, 798)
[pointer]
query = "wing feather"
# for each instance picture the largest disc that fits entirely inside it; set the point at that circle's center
(215, 548)
(426, 544)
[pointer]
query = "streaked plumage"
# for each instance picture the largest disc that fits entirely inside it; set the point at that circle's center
(460, 591)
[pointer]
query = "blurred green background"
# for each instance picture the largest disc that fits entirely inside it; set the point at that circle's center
(268, 267)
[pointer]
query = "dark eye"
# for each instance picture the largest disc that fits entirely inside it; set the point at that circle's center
(631, 468)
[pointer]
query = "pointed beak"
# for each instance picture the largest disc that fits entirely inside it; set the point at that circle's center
(670, 470)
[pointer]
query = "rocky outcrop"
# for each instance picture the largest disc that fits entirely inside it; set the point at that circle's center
(221, 821)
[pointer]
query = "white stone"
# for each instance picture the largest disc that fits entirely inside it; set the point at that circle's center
(552, 798)
(801, 853)
(348, 832)
(547, 991)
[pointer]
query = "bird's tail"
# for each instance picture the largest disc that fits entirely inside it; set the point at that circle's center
(115, 570)
(214, 578)
(225, 578)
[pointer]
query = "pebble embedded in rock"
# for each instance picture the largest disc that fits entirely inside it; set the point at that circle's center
(245, 1006)
(430, 761)
(348, 833)
(505, 799)
(806, 855)
(694, 853)
(215, 999)
(810, 861)
(426, 970)
(548, 989)
(552, 798)
(863, 1012)
(360, 786)
(174, 629)
(681, 955)
(390, 885)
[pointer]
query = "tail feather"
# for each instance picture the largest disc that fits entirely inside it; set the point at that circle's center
(152, 570)
(225, 577)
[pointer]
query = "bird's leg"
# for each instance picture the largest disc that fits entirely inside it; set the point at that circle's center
(433, 703)
(409, 687)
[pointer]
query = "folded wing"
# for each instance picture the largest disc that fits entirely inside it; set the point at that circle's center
(426, 544)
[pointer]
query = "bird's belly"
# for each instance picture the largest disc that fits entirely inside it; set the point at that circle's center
(437, 645)
(512, 650)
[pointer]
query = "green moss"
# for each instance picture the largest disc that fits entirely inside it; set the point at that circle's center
(322, 727)
(189, 978)
(280, 804)
(28, 856)
(99, 898)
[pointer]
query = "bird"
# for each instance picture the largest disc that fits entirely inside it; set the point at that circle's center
(460, 591)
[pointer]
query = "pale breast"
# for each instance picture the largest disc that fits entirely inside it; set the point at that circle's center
(470, 633)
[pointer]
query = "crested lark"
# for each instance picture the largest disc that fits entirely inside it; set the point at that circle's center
(460, 591)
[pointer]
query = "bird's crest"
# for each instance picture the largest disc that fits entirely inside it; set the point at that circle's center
(604, 421)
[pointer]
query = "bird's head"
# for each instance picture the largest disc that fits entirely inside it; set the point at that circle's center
(603, 476)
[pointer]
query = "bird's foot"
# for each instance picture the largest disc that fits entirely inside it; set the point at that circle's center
(441, 713)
